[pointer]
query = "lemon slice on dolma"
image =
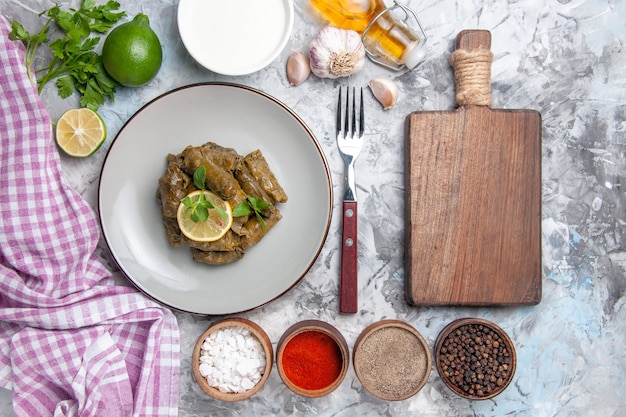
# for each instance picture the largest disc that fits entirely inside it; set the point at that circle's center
(215, 226)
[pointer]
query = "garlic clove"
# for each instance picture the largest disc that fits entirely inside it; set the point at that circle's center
(298, 68)
(336, 52)
(385, 91)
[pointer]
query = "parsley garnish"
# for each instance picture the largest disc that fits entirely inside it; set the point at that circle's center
(74, 64)
(249, 205)
(198, 209)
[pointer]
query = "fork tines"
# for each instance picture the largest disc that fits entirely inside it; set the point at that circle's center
(343, 118)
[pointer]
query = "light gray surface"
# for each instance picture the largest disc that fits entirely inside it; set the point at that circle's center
(563, 58)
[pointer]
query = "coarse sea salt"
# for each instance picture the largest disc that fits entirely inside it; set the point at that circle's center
(232, 359)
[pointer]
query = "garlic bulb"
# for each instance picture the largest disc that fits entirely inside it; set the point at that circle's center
(385, 91)
(336, 53)
(298, 68)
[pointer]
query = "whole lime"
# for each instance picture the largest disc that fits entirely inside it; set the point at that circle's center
(132, 52)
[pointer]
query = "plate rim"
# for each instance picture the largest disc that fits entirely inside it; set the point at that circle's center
(285, 108)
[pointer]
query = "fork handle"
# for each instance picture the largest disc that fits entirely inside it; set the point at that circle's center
(348, 293)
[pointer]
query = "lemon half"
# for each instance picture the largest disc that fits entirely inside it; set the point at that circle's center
(214, 228)
(80, 132)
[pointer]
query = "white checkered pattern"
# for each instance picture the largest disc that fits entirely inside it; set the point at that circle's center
(71, 342)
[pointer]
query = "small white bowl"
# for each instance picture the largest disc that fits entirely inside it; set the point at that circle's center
(235, 37)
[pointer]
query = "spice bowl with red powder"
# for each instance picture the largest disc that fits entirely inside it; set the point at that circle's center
(232, 359)
(475, 358)
(312, 358)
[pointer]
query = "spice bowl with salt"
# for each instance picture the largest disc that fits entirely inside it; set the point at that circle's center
(312, 358)
(391, 360)
(475, 358)
(232, 359)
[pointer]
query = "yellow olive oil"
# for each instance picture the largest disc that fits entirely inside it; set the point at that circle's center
(388, 38)
(348, 14)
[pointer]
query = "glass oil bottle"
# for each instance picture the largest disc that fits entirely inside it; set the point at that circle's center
(392, 36)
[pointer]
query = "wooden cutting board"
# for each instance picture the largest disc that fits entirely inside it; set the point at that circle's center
(473, 196)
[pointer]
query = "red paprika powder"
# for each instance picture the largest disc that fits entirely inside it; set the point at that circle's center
(312, 360)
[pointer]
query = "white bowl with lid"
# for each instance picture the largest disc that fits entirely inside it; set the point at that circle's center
(235, 37)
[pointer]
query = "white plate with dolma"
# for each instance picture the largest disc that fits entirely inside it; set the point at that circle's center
(244, 119)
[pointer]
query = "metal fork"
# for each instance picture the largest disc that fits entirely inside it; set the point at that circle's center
(349, 141)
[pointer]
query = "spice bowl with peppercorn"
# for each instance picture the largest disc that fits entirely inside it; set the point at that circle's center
(475, 358)
(392, 360)
(232, 359)
(312, 358)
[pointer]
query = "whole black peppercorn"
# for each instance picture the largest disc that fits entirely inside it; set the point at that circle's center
(481, 363)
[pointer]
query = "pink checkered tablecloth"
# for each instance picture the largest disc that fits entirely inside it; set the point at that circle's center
(72, 343)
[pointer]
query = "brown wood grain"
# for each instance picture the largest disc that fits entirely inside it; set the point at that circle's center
(473, 188)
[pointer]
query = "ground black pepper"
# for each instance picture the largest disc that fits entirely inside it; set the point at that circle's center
(476, 360)
(392, 363)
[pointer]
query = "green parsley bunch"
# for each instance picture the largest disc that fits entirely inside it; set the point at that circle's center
(75, 64)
